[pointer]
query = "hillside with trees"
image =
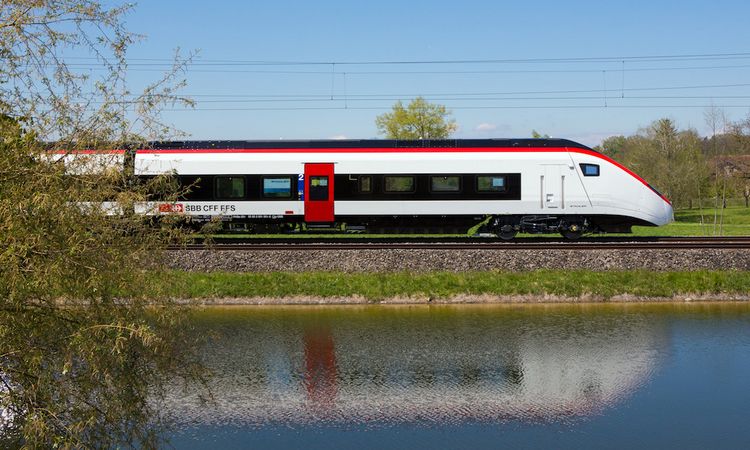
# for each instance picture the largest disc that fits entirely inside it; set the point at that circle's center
(691, 170)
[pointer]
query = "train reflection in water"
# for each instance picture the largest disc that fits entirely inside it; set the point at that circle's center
(419, 365)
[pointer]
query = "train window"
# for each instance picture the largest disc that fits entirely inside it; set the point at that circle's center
(445, 183)
(399, 183)
(318, 188)
(196, 188)
(590, 170)
(491, 183)
(230, 187)
(365, 184)
(277, 187)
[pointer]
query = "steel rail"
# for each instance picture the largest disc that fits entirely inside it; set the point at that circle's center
(463, 239)
(665, 243)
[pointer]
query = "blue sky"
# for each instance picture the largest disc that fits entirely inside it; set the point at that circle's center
(477, 93)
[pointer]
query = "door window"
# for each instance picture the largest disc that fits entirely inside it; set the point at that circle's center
(318, 188)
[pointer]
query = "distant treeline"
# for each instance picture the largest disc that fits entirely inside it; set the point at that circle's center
(685, 166)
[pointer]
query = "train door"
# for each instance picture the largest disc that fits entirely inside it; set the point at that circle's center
(319, 192)
(553, 187)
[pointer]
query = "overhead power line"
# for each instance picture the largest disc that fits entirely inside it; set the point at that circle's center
(434, 72)
(384, 108)
(342, 98)
(627, 58)
(335, 96)
(386, 96)
(477, 107)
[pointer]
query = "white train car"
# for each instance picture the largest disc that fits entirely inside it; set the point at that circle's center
(518, 185)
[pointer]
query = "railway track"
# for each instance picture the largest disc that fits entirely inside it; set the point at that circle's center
(597, 243)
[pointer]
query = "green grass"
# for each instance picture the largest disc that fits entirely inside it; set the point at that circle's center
(692, 229)
(689, 222)
(445, 284)
(737, 215)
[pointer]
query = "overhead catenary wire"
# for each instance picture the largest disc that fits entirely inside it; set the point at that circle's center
(340, 96)
(476, 107)
(386, 96)
(344, 98)
(429, 72)
(587, 59)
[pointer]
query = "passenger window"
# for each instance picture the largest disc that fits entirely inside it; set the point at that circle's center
(590, 170)
(196, 188)
(445, 184)
(365, 184)
(491, 183)
(318, 188)
(399, 183)
(230, 187)
(277, 187)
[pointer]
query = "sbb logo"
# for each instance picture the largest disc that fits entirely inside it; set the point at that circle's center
(171, 208)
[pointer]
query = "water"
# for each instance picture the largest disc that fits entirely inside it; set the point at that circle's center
(489, 376)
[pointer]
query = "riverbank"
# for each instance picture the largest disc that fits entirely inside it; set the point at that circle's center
(461, 300)
(541, 286)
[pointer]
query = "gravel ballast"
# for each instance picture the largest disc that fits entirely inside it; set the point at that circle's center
(426, 260)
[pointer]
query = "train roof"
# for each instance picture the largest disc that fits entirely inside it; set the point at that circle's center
(366, 143)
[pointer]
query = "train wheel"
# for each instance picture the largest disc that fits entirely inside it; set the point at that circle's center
(571, 235)
(507, 232)
(572, 232)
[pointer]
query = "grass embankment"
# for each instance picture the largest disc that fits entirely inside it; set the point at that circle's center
(375, 287)
(700, 222)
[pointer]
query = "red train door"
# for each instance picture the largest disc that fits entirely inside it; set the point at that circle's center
(319, 192)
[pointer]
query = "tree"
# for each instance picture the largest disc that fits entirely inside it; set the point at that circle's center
(418, 120)
(87, 343)
(614, 147)
(537, 135)
(670, 159)
(715, 118)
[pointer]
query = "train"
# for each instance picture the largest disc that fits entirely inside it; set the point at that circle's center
(499, 187)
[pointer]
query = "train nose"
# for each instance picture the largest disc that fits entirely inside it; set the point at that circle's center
(668, 213)
(660, 211)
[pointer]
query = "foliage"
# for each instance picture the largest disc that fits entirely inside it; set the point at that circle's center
(378, 286)
(537, 135)
(420, 119)
(669, 159)
(68, 105)
(614, 147)
(688, 168)
(84, 355)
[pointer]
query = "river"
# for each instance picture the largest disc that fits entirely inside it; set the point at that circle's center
(471, 376)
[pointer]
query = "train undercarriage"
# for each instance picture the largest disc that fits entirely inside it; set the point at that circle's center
(503, 226)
